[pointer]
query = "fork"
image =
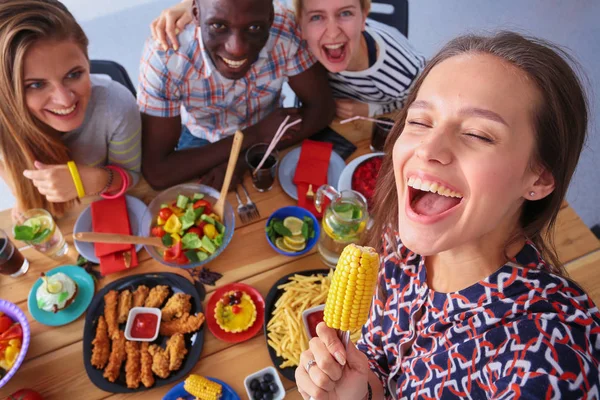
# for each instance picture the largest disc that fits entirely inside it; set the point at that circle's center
(242, 209)
(251, 207)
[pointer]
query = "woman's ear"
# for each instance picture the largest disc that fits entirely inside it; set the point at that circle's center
(365, 14)
(542, 187)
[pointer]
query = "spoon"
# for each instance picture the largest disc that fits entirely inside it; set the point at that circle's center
(219, 207)
(95, 237)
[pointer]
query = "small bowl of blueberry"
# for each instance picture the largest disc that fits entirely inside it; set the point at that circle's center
(264, 385)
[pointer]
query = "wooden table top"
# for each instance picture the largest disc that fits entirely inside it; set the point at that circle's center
(54, 361)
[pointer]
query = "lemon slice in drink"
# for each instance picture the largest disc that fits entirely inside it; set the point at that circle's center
(40, 224)
(294, 240)
(294, 225)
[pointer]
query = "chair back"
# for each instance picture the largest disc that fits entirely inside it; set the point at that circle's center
(391, 12)
(114, 70)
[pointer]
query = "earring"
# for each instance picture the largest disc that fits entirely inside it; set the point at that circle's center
(531, 194)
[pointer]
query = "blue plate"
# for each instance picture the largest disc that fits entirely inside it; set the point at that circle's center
(85, 293)
(135, 208)
(287, 170)
(298, 212)
(179, 392)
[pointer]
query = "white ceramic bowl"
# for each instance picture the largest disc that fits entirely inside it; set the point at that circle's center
(305, 315)
(258, 375)
(140, 310)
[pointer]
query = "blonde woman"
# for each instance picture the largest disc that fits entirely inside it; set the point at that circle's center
(372, 66)
(53, 112)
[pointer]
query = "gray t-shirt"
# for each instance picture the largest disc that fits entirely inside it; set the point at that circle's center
(111, 132)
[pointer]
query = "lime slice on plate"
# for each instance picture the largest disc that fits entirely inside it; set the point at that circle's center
(54, 286)
(294, 225)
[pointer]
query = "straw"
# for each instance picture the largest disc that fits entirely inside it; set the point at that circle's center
(278, 135)
(367, 119)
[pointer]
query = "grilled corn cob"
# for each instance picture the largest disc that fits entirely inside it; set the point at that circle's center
(202, 388)
(352, 287)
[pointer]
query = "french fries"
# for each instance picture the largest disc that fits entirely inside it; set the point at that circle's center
(285, 331)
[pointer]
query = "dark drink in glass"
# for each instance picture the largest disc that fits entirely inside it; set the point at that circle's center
(264, 178)
(12, 261)
(380, 133)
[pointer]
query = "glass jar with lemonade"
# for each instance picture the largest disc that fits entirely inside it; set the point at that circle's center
(39, 230)
(344, 221)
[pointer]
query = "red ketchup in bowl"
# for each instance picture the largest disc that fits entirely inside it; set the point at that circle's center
(144, 326)
(313, 320)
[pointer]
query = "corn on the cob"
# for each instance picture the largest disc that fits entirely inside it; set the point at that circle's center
(352, 287)
(202, 388)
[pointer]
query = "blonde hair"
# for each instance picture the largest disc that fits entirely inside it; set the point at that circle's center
(365, 6)
(23, 138)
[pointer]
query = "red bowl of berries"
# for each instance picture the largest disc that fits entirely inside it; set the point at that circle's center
(361, 175)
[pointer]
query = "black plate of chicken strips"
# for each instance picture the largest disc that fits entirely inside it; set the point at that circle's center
(144, 365)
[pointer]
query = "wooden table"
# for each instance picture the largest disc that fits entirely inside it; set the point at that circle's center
(54, 362)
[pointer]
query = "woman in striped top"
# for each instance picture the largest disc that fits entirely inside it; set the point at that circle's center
(53, 111)
(372, 66)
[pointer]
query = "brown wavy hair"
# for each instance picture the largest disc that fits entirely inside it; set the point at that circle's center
(23, 138)
(365, 6)
(560, 127)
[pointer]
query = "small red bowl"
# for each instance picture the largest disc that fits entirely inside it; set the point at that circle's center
(241, 336)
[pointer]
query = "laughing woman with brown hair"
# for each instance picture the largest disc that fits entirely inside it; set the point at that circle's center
(472, 301)
(63, 133)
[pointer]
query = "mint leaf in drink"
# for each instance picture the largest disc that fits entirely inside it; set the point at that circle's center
(25, 233)
(40, 236)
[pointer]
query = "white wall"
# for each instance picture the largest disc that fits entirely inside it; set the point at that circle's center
(117, 30)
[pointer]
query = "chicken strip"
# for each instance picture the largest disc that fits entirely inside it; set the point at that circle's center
(160, 361)
(176, 306)
(110, 313)
(140, 295)
(146, 361)
(125, 301)
(133, 365)
(186, 324)
(116, 358)
(157, 296)
(101, 345)
(176, 351)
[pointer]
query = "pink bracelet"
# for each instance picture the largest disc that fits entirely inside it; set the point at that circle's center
(124, 186)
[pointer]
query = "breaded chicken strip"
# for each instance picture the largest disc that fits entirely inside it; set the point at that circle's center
(101, 345)
(176, 351)
(160, 361)
(116, 358)
(125, 302)
(157, 296)
(140, 295)
(146, 361)
(186, 324)
(176, 306)
(110, 313)
(133, 364)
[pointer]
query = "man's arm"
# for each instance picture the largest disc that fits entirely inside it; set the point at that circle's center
(163, 167)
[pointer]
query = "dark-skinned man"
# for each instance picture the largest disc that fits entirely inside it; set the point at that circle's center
(226, 75)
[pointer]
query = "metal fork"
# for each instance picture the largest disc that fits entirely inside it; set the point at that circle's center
(252, 209)
(242, 209)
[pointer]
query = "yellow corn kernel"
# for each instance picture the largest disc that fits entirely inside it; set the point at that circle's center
(202, 388)
(352, 287)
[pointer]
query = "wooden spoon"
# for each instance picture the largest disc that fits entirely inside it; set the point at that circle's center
(219, 207)
(96, 237)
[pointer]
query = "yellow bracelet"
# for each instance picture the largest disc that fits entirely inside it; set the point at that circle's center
(76, 179)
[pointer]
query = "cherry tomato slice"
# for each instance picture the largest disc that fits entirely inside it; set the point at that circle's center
(196, 230)
(165, 213)
(158, 231)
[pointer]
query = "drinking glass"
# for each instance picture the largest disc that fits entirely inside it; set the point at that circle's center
(264, 178)
(12, 262)
(380, 133)
(52, 245)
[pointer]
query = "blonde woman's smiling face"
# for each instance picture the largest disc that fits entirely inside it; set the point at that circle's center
(56, 77)
(332, 30)
(469, 137)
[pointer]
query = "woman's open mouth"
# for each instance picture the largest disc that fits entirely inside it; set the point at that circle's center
(430, 201)
(335, 53)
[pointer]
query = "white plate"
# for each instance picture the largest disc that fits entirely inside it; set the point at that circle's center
(345, 181)
(135, 208)
(287, 169)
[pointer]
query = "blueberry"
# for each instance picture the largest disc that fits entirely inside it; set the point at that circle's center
(258, 395)
(254, 384)
(268, 396)
(264, 386)
(268, 378)
(273, 387)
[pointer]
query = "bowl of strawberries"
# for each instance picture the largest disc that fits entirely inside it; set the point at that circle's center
(361, 175)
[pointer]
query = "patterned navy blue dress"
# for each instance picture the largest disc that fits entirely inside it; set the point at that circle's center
(523, 332)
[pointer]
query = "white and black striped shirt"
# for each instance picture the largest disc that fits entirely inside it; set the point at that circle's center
(385, 85)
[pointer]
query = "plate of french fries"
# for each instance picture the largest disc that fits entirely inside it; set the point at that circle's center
(284, 304)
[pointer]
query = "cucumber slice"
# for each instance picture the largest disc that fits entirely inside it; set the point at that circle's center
(182, 201)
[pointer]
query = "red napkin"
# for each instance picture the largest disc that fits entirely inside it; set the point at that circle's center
(312, 169)
(110, 216)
